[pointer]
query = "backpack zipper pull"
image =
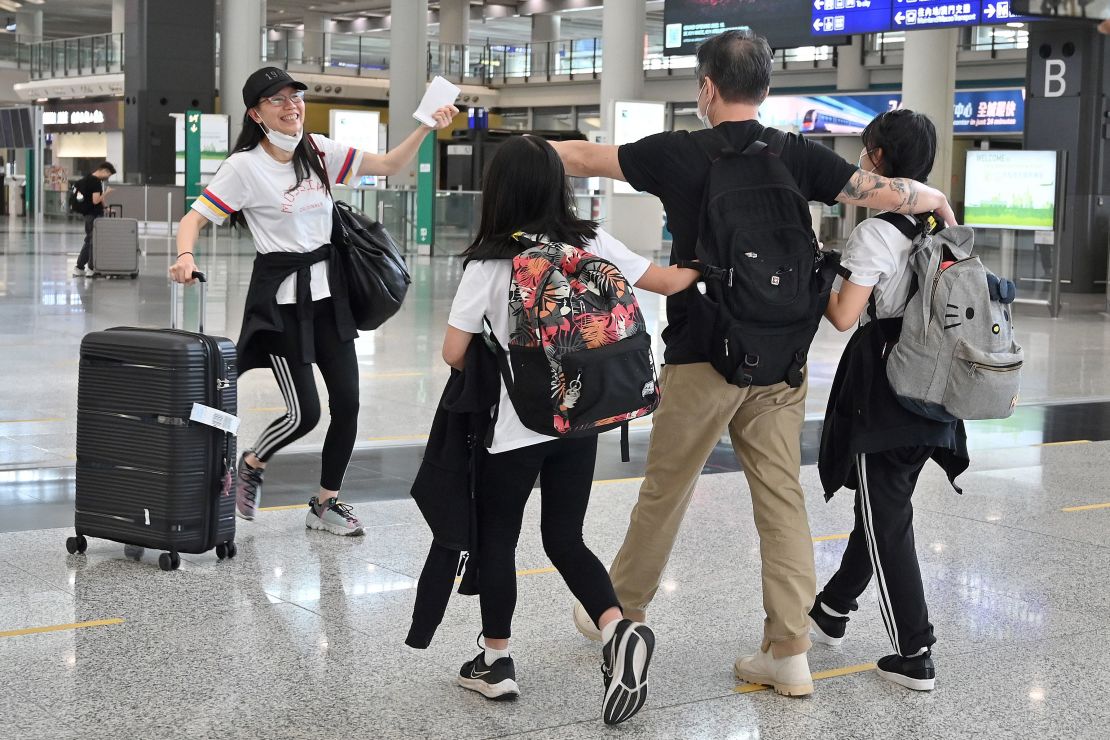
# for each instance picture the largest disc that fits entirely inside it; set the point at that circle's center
(730, 271)
(726, 340)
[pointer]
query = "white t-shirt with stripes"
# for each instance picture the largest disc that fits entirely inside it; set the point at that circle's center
(282, 216)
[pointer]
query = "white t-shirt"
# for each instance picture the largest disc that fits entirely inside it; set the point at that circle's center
(281, 221)
(878, 255)
(484, 293)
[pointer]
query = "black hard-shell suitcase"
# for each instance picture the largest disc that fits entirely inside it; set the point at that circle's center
(148, 476)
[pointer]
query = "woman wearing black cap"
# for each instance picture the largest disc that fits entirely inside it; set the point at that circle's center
(279, 182)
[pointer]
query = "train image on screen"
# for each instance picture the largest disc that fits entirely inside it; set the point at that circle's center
(817, 121)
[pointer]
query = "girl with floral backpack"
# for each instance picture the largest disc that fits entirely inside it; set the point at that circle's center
(552, 293)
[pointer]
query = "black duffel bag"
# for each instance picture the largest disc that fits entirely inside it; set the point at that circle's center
(375, 271)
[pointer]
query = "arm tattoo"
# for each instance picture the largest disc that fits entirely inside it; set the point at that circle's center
(866, 186)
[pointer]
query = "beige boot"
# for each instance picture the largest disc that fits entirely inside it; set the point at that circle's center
(787, 676)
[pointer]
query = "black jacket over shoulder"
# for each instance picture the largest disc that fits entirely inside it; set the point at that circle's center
(445, 487)
(261, 310)
(864, 416)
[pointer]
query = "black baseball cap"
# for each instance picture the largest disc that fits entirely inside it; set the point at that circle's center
(265, 82)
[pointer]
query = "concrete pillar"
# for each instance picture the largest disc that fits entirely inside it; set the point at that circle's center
(454, 22)
(546, 27)
(635, 219)
(316, 43)
(238, 22)
(160, 42)
(933, 93)
(408, 75)
(622, 55)
(851, 76)
(850, 72)
(28, 25)
(119, 16)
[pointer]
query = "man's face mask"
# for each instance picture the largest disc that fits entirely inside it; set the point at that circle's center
(703, 117)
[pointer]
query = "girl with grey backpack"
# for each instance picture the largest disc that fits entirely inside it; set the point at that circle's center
(876, 440)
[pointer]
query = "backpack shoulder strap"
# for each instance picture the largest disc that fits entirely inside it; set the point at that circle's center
(770, 142)
(910, 229)
(715, 145)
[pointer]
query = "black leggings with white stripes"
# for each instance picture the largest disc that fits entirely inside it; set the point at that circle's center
(338, 365)
(882, 546)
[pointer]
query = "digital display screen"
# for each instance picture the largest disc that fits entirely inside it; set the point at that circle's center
(786, 24)
(1007, 189)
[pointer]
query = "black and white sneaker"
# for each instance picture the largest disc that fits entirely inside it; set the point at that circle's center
(624, 668)
(915, 673)
(828, 626)
(497, 681)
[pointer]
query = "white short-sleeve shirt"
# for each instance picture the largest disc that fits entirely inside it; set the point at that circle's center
(483, 292)
(878, 256)
(282, 216)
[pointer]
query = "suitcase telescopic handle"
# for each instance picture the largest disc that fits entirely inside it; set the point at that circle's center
(201, 278)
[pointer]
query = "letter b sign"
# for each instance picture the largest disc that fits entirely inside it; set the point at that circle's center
(1055, 82)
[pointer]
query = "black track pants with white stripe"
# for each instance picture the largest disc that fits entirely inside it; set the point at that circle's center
(338, 365)
(882, 545)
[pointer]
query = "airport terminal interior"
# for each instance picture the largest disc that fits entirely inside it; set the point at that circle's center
(302, 634)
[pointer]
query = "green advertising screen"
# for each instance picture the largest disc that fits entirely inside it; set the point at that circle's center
(1010, 190)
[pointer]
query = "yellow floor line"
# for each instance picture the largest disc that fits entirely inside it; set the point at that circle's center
(1062, 444)
(536, 571)
(607, 481)
(830, 537)
(749, 688)
(290, 507)
(61, 627)
(1088, 507)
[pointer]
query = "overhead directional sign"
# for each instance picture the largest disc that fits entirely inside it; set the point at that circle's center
(838, 17)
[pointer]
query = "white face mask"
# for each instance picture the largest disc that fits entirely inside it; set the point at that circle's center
(703, 117)
(285, 142)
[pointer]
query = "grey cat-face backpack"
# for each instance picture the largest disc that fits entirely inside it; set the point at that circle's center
(956, 357)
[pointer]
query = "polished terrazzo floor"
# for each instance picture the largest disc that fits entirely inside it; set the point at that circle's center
(301, 636)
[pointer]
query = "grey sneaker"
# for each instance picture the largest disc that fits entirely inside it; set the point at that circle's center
(248, 489)
(332, 516)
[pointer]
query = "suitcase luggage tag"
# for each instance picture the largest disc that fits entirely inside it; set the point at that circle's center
(214, 418)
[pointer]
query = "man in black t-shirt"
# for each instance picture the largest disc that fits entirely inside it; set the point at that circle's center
(698, 404)
(93, 193)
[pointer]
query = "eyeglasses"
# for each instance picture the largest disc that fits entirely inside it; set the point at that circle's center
(279, 101)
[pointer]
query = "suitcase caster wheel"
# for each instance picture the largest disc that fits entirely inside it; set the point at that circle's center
(221, 551)
(78, 544)
(133, 552)
(232, 549)
(134, 275)
(169, 561)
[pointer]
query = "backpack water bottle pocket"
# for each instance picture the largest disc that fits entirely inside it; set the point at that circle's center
(610, 381)
(983, 385)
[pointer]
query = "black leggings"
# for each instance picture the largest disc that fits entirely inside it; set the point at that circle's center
(339, 366)
(565, 468)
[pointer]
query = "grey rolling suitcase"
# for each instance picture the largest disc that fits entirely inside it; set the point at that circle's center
(147, 475)
(115, 245)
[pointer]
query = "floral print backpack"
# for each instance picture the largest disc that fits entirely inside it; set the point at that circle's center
(579, 359)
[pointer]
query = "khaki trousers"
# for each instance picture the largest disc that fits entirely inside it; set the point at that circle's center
(765, 425)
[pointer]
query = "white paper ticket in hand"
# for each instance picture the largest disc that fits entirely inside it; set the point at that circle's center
(215, 418)
(440, 92)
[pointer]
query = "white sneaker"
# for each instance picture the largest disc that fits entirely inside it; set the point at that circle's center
(787, 676)
(584, 624)
(82, 272)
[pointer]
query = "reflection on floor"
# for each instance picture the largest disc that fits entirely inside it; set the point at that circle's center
(1016, 585)
(44, 313)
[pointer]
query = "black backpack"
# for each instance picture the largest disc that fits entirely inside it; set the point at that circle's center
(766, 280)
(77, 200)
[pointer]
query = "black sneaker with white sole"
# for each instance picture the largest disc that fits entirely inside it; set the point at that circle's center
(828, 629)
(915, 673)
(497, 681)
(624, 668)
